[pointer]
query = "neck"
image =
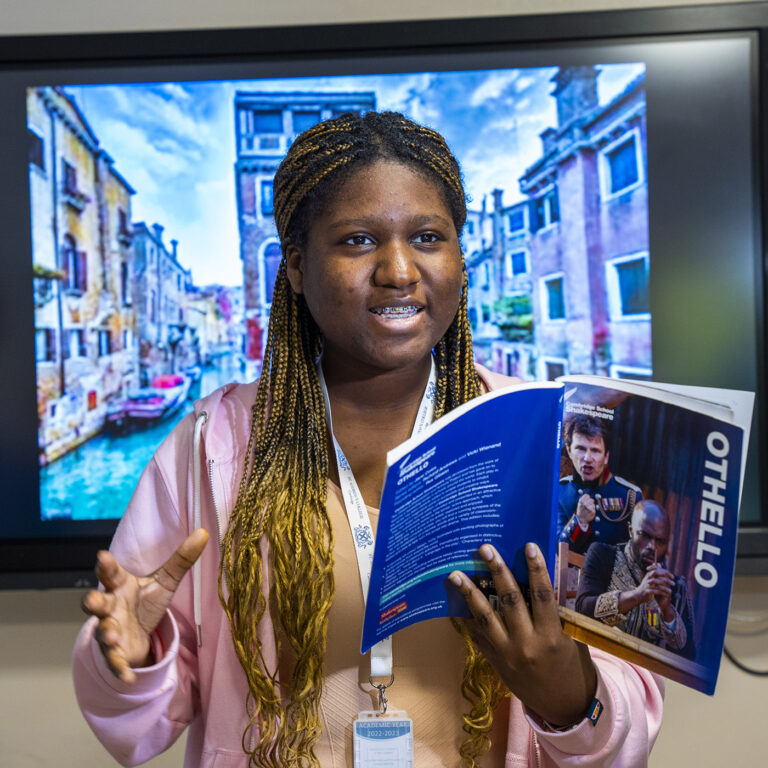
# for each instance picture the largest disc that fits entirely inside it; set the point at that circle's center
(361, 388)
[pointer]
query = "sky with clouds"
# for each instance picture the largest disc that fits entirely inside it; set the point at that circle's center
(175, 142)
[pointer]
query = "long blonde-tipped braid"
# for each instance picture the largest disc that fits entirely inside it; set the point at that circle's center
(283, 496)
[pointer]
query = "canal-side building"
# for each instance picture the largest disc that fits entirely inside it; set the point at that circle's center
(558, 281)
(215, 317)
(482, 280)
(588, 232)
(265, 125)
(85, 342)
(160, 287)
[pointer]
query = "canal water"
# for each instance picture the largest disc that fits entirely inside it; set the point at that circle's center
(96, 480)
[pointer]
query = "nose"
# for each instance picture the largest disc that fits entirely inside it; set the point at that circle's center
(396, 266)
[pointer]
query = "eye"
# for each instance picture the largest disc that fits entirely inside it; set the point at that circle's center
(427, 238)
(357, 240)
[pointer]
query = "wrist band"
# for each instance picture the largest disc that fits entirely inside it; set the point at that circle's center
(593, 715)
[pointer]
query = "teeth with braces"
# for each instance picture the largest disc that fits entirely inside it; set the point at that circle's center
(395, 310)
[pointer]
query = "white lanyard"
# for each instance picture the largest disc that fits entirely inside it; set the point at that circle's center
(357, 514)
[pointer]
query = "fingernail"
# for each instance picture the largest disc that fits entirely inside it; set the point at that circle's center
(455, 579)
(486, 553)
(531, 550)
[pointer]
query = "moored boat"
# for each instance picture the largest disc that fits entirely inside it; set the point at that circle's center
(164, 397)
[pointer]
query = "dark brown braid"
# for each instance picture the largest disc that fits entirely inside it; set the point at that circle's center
(282, 495)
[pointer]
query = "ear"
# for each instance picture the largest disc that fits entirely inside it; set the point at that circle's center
(294, 267)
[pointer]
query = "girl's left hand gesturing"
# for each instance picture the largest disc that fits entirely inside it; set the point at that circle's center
(548, 671)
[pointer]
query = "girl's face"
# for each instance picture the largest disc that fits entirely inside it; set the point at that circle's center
(382, 270)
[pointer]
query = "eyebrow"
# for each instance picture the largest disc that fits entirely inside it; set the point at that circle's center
(649, 535)
(365, 221)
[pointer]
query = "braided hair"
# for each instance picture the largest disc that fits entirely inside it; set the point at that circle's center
(282, 494)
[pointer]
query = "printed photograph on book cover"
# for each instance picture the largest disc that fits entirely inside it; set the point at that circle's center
(647, 521)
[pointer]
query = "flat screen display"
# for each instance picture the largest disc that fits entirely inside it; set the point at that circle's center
(612, 228)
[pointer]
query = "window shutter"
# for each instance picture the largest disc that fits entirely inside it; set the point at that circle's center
(533, 215)
(82, 271)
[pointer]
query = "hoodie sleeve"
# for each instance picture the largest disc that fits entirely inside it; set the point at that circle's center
(138, 721)
(626, 729)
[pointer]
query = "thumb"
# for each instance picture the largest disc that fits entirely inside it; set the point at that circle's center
(175, 567)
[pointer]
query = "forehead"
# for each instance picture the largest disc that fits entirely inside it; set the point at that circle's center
(588, 442)
(386, 185)
(653, 525)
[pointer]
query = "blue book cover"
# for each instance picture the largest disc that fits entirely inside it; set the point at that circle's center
(485, 473)
(631, 490)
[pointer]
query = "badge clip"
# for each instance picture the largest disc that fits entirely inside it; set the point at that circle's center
(381, 688)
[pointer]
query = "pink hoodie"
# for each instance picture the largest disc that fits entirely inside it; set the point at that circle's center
(203, 687)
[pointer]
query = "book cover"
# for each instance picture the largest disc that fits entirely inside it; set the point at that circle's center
(486, 472)
(648, 578)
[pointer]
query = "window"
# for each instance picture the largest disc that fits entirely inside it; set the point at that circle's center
(267, 201)
(123, 230)
(45, 345)
(303, 121)
(74, 343)
(545, 210)
(272, 257)
(553, 369)
(35, 147)
(268, 121)
(105, 343)
(516, 264)
(470, 226)
(516, 220)
(470, 278)
(627, 286)
(75, 265)
(70, 178)
(152, 306)
(486, 313)
(553, 300)
(473, 318)
(125, 292)
(621, 165)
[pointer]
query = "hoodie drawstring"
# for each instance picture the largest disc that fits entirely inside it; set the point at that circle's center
(197, 568)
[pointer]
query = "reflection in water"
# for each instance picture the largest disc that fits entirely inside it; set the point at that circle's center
(96, 480)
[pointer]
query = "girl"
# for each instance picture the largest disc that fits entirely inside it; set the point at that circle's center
(368, 336)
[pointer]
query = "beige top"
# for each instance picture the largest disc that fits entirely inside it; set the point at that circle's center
(428, 665)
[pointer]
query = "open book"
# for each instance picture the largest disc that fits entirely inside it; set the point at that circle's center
(631, 490)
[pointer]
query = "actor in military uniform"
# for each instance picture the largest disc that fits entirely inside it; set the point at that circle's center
(594, 504)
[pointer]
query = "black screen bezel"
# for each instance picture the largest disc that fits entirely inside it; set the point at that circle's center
(66, 560)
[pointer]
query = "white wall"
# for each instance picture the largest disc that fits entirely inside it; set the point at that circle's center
(50, 16)
(40, 725)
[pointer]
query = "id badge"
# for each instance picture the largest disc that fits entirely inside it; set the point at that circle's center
(383, 741)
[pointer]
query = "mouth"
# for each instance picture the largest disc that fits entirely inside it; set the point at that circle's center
(397, 312)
